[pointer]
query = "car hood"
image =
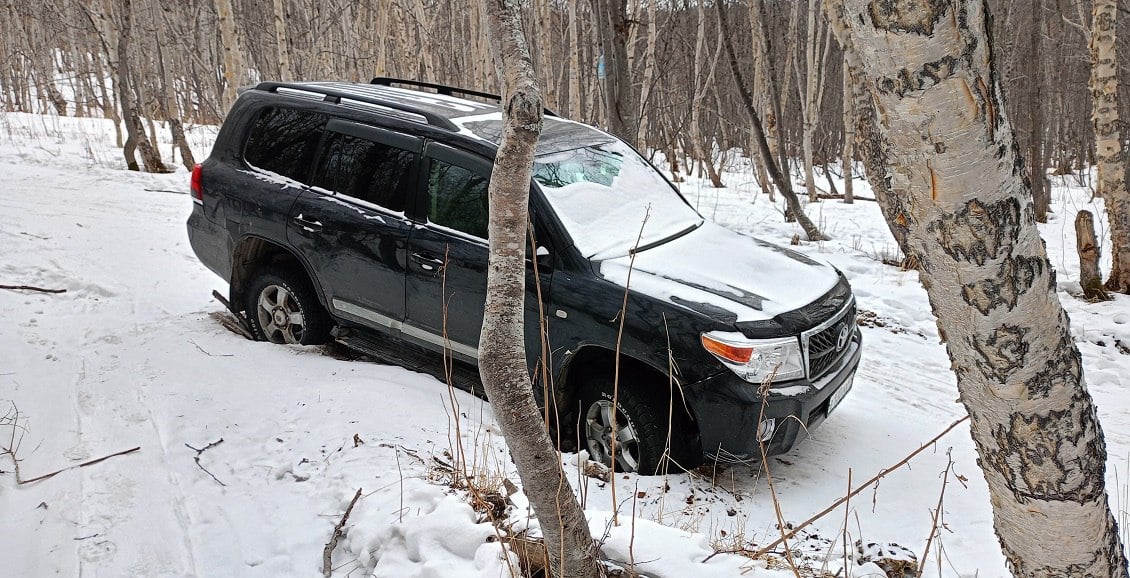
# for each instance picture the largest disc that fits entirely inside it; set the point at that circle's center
(727, 276)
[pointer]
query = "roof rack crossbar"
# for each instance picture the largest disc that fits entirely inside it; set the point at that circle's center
(335, 96)
(444, 89)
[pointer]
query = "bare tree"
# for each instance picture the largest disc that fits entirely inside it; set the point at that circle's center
(972, 225)
(502, 355)
(783, 182)
(613, 26)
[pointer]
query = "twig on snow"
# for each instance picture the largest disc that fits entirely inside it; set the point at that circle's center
(202, 450)
(31, 288)
(201, 350)
(68, 468)
(327, 554)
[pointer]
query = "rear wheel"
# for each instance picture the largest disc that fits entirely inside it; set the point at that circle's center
(282, 308)
(641, 441)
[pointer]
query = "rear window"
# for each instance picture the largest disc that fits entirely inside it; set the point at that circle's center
(285, 141)
(366, 170)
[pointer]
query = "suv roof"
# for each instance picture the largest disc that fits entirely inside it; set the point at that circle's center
(440, 109)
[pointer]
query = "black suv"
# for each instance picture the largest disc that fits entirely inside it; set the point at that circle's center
(359, 212)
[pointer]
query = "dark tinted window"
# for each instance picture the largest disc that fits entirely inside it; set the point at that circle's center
(458, 198)
(285, 141)
(366, 170)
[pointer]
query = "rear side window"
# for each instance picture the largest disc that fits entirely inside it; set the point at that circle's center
(285, 141)
(458, 198)
(370, 171)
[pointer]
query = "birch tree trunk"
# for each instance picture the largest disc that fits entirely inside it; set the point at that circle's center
(648, 73)
(232, 57)
(848, 156)
(282, 51)
(870, 142)
(1110, 155)
(576, 103)
(502, 356)
(703, 147)
(971, 222)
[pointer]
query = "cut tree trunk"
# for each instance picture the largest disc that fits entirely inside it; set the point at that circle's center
(955, 162)
(1090, 276)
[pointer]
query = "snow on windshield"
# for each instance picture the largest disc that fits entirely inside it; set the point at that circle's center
(602, 194)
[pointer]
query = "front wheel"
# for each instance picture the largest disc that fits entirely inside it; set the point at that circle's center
(640, 435)
(282, 308)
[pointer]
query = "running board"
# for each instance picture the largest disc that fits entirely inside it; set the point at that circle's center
(391, 351)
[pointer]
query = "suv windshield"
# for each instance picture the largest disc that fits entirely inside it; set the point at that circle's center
(604, 192)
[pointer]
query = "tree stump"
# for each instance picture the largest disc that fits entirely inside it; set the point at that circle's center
(1090, 277)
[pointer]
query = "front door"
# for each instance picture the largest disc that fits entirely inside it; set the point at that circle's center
(447, 256)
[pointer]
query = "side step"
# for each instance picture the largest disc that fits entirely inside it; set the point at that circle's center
(391, 351)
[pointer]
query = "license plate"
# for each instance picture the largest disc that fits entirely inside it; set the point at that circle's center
(840, 393)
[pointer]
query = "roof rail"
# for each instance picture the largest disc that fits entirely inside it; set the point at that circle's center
(445, 90)
(335, 96)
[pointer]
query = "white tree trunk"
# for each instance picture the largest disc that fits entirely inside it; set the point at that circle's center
(282, 51)
(502, 355)
(956, 165)
(232, 57)
(849, 138)
(1110, 156)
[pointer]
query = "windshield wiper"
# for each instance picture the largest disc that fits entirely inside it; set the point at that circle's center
(667, 239)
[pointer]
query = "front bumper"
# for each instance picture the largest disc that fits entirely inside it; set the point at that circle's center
(729, 410)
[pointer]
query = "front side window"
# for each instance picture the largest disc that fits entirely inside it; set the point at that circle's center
(458, 198)
(363, 169)
(285, 141)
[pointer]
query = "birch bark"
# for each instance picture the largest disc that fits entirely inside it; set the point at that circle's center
(1110, 156)
(956, 164)
(232, 57)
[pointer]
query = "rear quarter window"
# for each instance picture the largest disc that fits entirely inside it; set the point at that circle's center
(285, 141)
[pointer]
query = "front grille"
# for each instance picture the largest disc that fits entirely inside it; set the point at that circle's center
(821, 346)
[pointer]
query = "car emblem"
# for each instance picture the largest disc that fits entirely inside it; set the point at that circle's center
(842, 338)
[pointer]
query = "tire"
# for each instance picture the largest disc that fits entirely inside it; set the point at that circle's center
(282, 308)
(642, 444)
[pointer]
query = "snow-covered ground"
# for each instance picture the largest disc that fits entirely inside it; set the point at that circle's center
(250, 452)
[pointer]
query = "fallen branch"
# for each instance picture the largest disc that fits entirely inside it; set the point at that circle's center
(833, 196)
(31, 288)
(882, 473)
(327, 554)
(202, 450)
(239, 324)
(82, 465)
(851, 494)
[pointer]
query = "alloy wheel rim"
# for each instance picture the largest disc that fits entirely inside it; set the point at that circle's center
(599, 434)
(280, 315)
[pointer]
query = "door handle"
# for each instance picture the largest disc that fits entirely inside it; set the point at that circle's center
(427, 262)
(309, 225)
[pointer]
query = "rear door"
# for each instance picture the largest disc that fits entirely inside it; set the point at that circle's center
(280, 150)
(351, 225)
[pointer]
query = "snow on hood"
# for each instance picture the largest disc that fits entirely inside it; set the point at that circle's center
(724, 275)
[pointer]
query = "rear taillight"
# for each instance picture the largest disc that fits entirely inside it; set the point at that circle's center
(197, 185)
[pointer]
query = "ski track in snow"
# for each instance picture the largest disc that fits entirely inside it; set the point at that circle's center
(129, 357)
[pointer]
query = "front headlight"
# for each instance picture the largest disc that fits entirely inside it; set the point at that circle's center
(756, 359)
